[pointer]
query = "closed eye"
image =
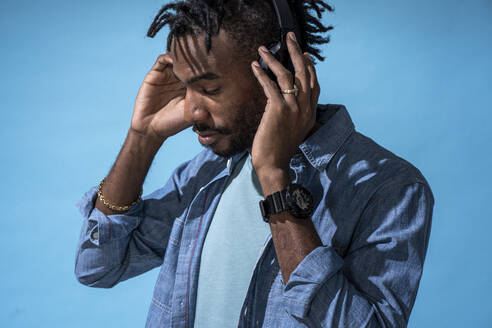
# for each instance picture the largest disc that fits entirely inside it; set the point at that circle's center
(211, 92)
(207, 92)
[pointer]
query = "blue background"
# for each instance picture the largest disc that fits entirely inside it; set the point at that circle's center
(414, 75)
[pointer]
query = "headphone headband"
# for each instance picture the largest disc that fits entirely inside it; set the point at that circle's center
(285, 19)
(287, 23)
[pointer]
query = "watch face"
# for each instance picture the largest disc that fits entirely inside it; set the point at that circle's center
(301, 201)
(301, 198)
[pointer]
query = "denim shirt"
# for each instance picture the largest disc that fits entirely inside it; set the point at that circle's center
(373, 215)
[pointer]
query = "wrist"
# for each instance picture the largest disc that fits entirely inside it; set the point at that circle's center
(273, 180)
(143, 142)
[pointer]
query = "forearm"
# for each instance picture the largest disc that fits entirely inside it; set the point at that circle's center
(124, 181)
(293, 239)
(375, 281)
(114, 248)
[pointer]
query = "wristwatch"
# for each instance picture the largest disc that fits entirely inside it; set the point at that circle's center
(294, 199)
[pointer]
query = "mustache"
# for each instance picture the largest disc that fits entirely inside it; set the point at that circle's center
(198, 127)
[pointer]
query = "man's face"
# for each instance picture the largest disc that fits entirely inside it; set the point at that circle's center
(223, 100)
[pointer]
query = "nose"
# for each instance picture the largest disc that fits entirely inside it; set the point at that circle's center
(195, 108)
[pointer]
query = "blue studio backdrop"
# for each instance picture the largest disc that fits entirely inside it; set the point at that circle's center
(415, 76)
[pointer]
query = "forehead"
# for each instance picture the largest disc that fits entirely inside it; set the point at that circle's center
(190, 57)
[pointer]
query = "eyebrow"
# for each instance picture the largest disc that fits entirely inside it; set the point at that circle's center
(204, 76)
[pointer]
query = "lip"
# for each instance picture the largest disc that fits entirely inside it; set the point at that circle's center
(207, 138)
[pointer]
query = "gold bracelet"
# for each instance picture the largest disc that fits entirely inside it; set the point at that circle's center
(115, 207)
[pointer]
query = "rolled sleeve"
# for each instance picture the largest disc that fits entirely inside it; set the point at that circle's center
(308, 277)
(113, 248)
(102, 228)
(376, 283)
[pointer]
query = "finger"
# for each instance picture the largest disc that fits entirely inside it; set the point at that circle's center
(163, 61)
(298, 60)
(270, 88)
(284, 76)
(314, 85)
(304, 85)
(161, 73)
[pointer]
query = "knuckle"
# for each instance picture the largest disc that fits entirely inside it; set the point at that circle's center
(285, 74)
(271, 84)
(301, 75)
(295, 108)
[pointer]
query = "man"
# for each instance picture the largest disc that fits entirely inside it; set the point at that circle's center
(350, 254)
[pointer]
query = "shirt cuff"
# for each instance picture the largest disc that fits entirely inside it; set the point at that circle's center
(102, 228)
(308, 277)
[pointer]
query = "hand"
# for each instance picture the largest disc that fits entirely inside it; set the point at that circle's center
(159, 107)
(287, 119)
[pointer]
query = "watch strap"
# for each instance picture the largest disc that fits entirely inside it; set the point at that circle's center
(273, 204)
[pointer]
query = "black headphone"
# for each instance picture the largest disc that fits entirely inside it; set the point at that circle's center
(279, 50)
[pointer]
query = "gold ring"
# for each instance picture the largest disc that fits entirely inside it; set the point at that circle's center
(294, 91)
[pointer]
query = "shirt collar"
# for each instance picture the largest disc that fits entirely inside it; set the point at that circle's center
(319, 148)
(336, 126)
(232, 161)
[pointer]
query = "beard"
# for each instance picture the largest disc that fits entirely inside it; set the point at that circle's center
(242, 130)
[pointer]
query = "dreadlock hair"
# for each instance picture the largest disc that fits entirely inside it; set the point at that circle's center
(251, 23)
